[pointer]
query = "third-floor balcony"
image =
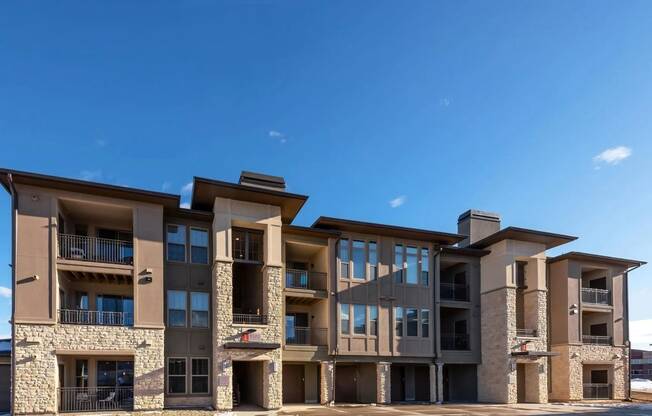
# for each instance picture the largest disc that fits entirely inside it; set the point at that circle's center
(454, 291)
(87, 317)
(304, 279)
(295, 335)
(95, 249)
(596, 296)
(455, 342)
(596, 339)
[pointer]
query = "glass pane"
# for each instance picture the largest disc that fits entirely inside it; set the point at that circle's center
(255, 246)
(176, 239)
(199, 255)
(373, 320)
(176, 252)
(373, 260)
(360, 319)
(398, 317)
(176, 299)
(398, 263)
(199, 319)
(200, 384)
(200, 366)
(125, 373)
(344, 318)
(358, 260)
(344, 250)
(425, 266)
(198, 238)
(412, 322)
(176, 317)
(176, 367)
(177, 384)
(425, 323)
(82, 373)
(411, 254)
(239, 244)
(199, 301)
(106, 373)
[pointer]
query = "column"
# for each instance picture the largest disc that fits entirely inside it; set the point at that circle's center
(383, 383)
(440, 383)
(433, 383)
(326, 382)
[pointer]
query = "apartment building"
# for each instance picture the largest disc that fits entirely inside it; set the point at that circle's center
(124, 300)
(641, 361)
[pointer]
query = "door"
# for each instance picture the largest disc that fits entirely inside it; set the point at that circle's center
(398, 383)
(293, 383)
(422, 383)
(4, 387)
(599, 376)
(346, 384)
(520, 383)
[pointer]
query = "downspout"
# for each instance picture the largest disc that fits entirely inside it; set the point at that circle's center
(548, 328)
(437, 319)
(14, 236)
(626, 329)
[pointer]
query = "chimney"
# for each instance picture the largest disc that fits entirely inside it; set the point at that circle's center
(259, 180)
(477, 225)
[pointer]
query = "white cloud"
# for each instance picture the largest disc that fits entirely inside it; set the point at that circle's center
(166, 186)
(444, 102)
(101, 142)
(278, 135)
(640, 333)
(185, 205)
(398, 201)
(613, 155)
(5, 292)
(91, 175)
(186, 189)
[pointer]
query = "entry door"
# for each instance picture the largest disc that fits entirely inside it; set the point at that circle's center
(346, 384)
(398, 383)
(293, 383)
(5, 376)
(599, 376)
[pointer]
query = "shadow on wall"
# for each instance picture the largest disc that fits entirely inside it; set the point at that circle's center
(150, 384)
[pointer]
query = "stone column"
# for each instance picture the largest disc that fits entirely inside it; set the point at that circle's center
(272, 382)
(383, 383)
(326, 381)
(272, 372)
(222, 321)
(433, 383)
(440, 383)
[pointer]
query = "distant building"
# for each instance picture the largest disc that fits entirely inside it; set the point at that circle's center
(642, 364)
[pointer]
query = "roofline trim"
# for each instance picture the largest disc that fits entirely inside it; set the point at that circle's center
(599, 258)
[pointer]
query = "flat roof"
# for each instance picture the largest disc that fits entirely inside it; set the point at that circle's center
(596, 258)
(385, 229)
(204, 192)
(550, 240)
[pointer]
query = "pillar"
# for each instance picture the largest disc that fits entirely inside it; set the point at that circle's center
(383, 383)
(326, 382)
(440, 383)
(433, 383)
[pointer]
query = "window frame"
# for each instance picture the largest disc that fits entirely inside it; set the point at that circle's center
(363, 307)
(408, 321)
(372, 272)
(247, 234)
(207, 375)
(425, 324)
(421, 270)
(208, 244)
(167, 308)
(348, 329)
(185, 243)
(342, 263)
(208, 310)
(374, 321)
(185, 375)
(399, 274)
(364, 260)
(396, 321)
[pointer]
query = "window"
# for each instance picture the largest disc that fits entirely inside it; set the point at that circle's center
(412, 322)
(176, 375)
(81, 373)
(360, 319)
(115, 373)
(198, 246)
(344, 258)
(199, 310)
(520, 274)
(199, 377)
(425, 323)
(398, 319)
(425, 266)
(373, 320)
(344, 319)
(398, 263)
(373, 261)
(358, 260)
(176, 308)
(176, 242)
(247, 245)
(411, 254)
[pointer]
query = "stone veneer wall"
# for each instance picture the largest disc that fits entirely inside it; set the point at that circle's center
(225, 331)
(568, 369)
(383, 383)
(36, 374)
(326, 378)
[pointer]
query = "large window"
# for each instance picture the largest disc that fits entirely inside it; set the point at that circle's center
(177, 375)
(373, 261)
(176, 240)
(359, 264)
(199, 310)
(81, 373)
(247, 245)
(412, 322)
(425, 266)
(398, 319)
(198, 246)
(199, 377)
(360, 319)
(411, 259)
(344, 319)
(344, 258)
(373, 320)
(425, 323)
(398, 263)
(115, 373)
(176, 308)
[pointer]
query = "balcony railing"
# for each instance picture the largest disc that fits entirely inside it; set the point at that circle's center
(596, 339)
(455, 341)
(594, 391)
(454, 291)
(526, 333)
(303, 279)
(596, 296)
(86, 317)
(88, 399)
(101, 250)
(249, 319)
(306, 336)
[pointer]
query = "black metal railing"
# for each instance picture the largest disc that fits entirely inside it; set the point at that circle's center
(249, 319)
(596, 296)
(101, 250)
(303, 279)
(86, 317)
(596, 339)
(526, 333)
(88, 399)
(596, 391)
(454, 291)
(455, 341)
(305, 336)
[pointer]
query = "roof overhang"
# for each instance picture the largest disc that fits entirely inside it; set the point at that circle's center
(205, 191)
(549, 240)
(596, 258)
(310, 232)
(465, 251)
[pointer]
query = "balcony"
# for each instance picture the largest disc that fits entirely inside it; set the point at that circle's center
(526, 333)
(596, 339)
(594, 391)
(86, 317)
(303, 279)
(88, 399)
(596, 296)
(455, 342)
(95, 249)
(306, 336)
(249, 319)
(454, 291)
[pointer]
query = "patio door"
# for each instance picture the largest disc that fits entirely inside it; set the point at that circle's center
(115, 373)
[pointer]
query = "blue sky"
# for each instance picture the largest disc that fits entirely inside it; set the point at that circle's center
(403, 113)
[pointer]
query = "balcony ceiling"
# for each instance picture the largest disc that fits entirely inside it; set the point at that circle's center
(86, 212)
(97, 277)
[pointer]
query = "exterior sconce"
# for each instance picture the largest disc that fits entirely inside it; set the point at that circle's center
(273, 367)
(617, 356)
(225, 365)
(574, 355)
(574, 309)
